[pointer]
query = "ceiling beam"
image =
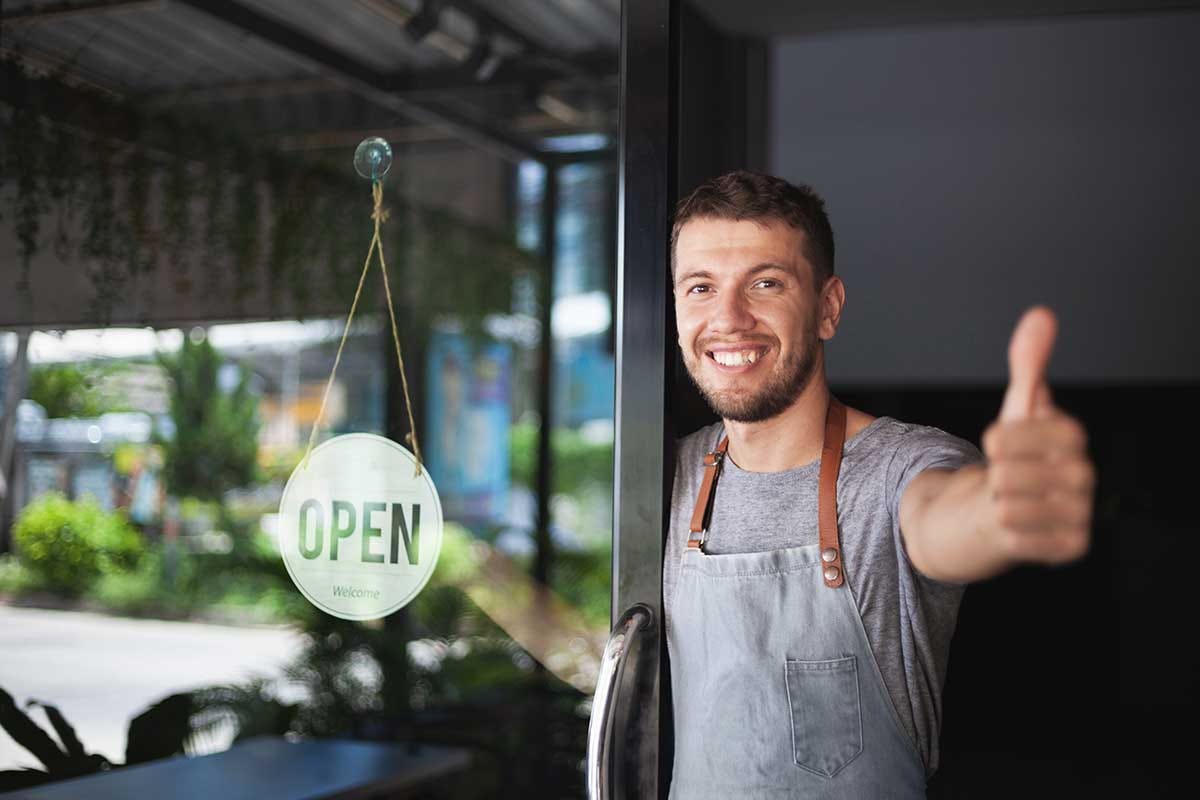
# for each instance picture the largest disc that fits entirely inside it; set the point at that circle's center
(241, 90)
(567, 66)
(510, 75)
(362, 80)
(514, 72)
(58, 11)
(327, 138)
(70, 75)
(449, 45)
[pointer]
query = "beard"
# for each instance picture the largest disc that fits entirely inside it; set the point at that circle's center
(785, 383)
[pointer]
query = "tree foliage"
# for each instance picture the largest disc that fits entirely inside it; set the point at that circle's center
(215, 444)
(68, 390)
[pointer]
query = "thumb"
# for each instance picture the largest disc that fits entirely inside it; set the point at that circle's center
(1028, 355)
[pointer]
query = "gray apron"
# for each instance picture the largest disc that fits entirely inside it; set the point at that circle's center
(776, 692)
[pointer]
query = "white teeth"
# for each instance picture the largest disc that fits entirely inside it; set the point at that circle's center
(735, 359)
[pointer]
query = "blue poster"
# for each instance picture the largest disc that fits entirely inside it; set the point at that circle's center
(469, 402)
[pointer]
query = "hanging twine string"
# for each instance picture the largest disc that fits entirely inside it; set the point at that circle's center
(379, 215)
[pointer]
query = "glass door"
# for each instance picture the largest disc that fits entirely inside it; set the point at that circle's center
(183, 237)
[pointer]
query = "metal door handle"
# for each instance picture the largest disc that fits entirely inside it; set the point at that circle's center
(621, 649)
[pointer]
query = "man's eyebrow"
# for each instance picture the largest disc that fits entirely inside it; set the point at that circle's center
(695, 273)
(765, 266)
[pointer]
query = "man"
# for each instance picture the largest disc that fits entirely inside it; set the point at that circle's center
(816, 554)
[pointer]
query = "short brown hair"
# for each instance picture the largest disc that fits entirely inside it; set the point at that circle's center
(745, 195)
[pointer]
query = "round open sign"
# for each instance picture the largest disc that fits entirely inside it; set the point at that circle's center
(359, 530)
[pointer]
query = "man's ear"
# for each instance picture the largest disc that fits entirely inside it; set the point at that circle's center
(832, 301)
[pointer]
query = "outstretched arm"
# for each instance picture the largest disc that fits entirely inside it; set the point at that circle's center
(1030, 502)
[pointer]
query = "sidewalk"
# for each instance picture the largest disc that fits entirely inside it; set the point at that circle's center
(101, 670)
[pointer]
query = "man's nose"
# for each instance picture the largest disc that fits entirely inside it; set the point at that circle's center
(732, 313)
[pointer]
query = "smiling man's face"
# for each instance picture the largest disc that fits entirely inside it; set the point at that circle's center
(748, 315)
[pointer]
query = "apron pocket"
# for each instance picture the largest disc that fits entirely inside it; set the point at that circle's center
(826, 720)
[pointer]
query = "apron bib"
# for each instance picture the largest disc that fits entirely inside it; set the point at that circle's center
(775, 690)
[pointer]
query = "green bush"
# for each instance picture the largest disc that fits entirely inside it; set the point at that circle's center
(15, 577)
(71, 544)
(577, 462)
(250, 584)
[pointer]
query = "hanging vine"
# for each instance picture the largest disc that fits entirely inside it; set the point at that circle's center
(244, 227)
(99, 245)
(216, 209)
(134, 193)
(290, 230)
(341, 229)
(177, 211)
(29, 201)
(139, 249)
(305, 209)
(63, 185)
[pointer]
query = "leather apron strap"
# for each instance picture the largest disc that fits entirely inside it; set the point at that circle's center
(833, 571)
(831, 464)
(703, 510)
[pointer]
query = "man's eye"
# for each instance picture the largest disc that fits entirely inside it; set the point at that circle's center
(699, 288)
(766, 283)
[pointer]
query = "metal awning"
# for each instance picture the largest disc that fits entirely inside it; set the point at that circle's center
(499, 75)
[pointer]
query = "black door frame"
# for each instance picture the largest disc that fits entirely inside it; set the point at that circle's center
(672, 136)
(643, 442)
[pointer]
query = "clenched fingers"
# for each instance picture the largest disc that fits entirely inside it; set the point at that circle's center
(1055, 546)
(1055, 436)
(1049, 512)
(1040, 485)
(1039, 476)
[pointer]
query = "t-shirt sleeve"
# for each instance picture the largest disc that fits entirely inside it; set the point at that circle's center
(923, 448)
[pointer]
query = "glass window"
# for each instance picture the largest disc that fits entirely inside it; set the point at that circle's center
(181, 242)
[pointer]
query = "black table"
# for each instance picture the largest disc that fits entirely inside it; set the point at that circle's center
(269, 768)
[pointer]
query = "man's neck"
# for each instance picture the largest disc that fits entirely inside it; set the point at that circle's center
(788, 440)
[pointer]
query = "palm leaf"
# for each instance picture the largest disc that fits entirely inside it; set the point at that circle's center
(66, 734)
(26, 733)
(161, 730)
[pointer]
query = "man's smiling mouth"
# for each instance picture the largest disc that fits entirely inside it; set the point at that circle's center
(737, 358)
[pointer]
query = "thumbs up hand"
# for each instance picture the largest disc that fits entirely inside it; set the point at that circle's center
(1039, 481)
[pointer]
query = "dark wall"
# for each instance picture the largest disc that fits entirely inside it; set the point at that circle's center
(1063, 681)
(972, 170)
(722, 101)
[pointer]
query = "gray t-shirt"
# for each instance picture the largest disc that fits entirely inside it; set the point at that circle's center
(909, 618)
